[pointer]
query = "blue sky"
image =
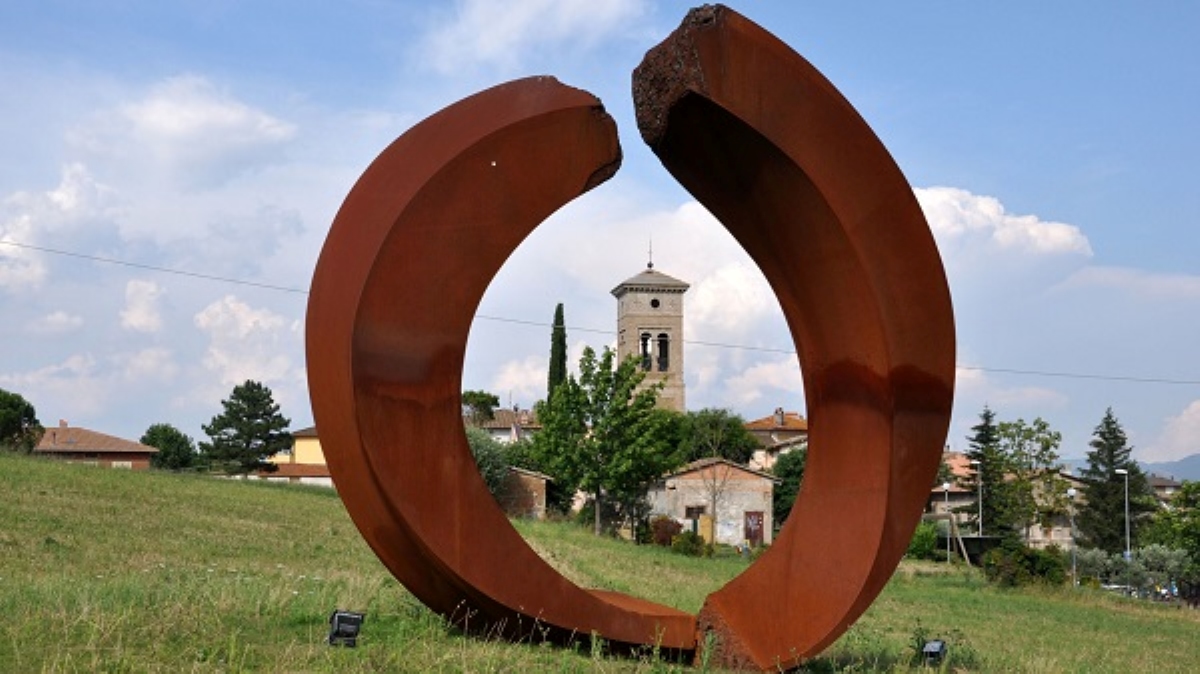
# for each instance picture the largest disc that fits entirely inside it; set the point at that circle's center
(1053, 148)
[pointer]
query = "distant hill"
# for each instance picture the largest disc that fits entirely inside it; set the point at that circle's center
(1187, 468)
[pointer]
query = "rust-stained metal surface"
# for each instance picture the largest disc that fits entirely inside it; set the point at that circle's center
(787, 165)
(763, 140)
(404, 266)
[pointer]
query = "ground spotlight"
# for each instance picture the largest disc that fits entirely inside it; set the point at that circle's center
(343, 628)
(934, 652)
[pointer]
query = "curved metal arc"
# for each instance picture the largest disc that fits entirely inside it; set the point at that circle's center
(787, 165)
(406, 261)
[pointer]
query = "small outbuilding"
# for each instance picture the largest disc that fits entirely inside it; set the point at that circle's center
(523, 493)
(721, 500)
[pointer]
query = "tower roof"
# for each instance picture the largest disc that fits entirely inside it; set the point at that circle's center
(650, 280)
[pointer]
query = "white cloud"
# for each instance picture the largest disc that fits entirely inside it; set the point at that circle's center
(973, 384)
(56, 323)
(74, 382)
(153, 364)
(1180, 437)
(500, 33)
(29, 218)
(956, 214)
(522, 381)
(729, 299)
(189, 129)
(141, 306)
(245, 343)
(766, 381)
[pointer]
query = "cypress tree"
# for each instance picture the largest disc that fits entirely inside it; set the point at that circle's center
(558, 353)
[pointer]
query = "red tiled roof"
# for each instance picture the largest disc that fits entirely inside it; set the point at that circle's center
(64, 439)
(700, 464)
(1159, 482)
(298, 470)
(310, 432)
(792, 421)
(505, 418)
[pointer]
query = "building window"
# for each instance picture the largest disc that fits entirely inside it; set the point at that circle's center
(693, 512)
(645, 351)
(664, 350)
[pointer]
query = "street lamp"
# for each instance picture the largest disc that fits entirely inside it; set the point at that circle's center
(949, 524)
(1071, 513)
(979, 499)
(1128, 554)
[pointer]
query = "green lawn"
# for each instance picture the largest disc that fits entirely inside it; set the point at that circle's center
(113, 571)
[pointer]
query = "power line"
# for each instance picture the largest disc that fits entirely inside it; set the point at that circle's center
(540, 324)
(1080, 375)
(149, 267)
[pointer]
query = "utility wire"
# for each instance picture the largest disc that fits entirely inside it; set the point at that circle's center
(541, 324)
(149, 267)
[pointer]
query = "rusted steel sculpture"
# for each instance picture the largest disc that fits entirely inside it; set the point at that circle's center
(787, 165)
(792, 171)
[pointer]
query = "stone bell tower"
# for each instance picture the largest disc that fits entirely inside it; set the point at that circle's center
(650, 326)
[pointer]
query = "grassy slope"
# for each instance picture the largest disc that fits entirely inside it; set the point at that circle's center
(115, 571)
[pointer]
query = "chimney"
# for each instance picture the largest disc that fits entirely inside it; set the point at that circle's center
(62, 423)
(778, 416)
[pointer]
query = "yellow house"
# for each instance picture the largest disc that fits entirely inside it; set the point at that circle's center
(304, 463)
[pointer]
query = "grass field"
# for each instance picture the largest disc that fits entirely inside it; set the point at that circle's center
(112, 571)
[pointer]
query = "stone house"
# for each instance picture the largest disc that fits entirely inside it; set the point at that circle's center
(523, 493)
(777, 434)
(510, 425)
(722, 501)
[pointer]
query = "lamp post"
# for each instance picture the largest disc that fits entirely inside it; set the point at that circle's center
(1128, 553)
(949, 517)
(979, 498)
(1071, 514)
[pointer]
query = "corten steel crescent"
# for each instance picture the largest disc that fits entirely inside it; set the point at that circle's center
(792, 171)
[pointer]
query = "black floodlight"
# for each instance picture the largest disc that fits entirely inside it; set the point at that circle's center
(934, 652)
(343, 628)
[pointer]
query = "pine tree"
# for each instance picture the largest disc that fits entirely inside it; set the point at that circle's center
(990, 467)
(558, 353)
(1102, 517)
(248, 432)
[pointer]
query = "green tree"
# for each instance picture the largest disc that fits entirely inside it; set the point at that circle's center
(176, 450)
(789, 468)
(1178, 527)
(1036, 494)
(558, 353)
(248, 432)
(713, 432)
(1102, 518)
(489, 457)
(600, 435)
(479, 406)
(990, 466)
(20, 429)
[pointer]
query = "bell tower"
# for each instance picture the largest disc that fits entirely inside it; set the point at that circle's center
(650, 327)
